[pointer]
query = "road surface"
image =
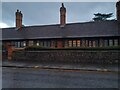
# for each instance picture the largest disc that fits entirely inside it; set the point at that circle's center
(42, 78)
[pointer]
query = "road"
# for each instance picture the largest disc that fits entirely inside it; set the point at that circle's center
(42, 78)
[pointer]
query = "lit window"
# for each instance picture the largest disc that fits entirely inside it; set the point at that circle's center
(78, 43)
(24, 43)
(18, 44)
(37, 43)
(74, 43)
(70, 43)
(94, 44)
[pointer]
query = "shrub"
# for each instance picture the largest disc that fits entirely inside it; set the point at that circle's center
(38, 48)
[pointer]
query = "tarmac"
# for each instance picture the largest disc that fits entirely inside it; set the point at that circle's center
(58, 66)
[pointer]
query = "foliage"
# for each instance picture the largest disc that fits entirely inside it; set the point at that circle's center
(102, 17)
(35, 48)
(38, 48)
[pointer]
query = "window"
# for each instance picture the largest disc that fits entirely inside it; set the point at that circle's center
(48, 43)
(70, 43)
(45, 43)
(83, 43)
(30, 43)
(86, 43)
(52, 44)
(90, 43)
(110, 42)
(78, 43)
(38, 43)
(21, 44)
(16, 44)
(94, 44)
(66, 43)
(24, 43)
(101, 43)
(41, 43)
(74, 43)
(105, 43)
(115, 42)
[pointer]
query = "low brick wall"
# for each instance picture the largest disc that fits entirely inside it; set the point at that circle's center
(69, 56)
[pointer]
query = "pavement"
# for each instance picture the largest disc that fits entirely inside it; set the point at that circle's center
(79, 67)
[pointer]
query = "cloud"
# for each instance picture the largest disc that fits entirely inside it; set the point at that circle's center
(4, 25)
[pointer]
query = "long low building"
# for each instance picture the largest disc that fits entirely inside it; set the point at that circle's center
(87, 34)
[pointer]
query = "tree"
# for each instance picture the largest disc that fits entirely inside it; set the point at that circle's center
(102, 17)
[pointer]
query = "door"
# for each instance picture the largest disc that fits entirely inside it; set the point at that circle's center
(59, 44)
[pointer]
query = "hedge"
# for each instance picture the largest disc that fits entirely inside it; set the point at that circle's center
(38, 48)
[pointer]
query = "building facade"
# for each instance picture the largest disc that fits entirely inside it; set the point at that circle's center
(88, 34)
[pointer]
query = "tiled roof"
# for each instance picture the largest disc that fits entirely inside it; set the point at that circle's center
(88, 29)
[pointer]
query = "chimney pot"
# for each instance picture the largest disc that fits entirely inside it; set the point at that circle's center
(17, 10)
(62, 16)
(18, 19)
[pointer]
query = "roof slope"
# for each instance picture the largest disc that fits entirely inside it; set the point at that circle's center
(89, 29)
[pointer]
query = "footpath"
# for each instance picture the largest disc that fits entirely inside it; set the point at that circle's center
(80, 67)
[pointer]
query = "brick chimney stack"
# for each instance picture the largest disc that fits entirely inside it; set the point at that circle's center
(62, 16)
(118, 10)
(18, 19)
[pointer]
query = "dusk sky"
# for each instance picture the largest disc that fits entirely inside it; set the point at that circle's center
(47, 13)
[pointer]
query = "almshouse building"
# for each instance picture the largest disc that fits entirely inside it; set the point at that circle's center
(63, 35)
